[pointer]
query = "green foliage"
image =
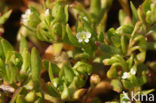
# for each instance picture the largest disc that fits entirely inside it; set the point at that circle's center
(35, 66)
(74, 49)
(5, 17)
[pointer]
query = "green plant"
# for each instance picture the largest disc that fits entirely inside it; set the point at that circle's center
(3, 19)
(74, 50)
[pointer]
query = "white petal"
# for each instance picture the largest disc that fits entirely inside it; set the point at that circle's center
(78, 35)
(47, 12)
(80, 40)
(55, 84)
(83, 32)
(25, 21)
(88, 34)
(85, 18)
(23, 16)
(126, 75)
(28, 12)
(86, 40)
(133, 71)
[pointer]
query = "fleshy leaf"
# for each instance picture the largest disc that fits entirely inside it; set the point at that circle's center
(134, 13)
(5, 17)
(35, 66)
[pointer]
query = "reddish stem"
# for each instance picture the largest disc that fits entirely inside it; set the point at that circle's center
(91, 95)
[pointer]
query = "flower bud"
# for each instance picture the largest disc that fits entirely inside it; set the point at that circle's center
(95, 79)
(79, 93)
(31, 17)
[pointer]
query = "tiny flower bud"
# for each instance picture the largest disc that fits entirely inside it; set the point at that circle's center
(47, 12)
(95, 79)
(79, 93)
(97, 43)
(26, 16)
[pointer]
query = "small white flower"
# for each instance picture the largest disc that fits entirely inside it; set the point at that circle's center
(133, 71)
(83, 36)
(85, 18)
(126, 75)
(55, 84)
(47, 12)
(26, 16)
